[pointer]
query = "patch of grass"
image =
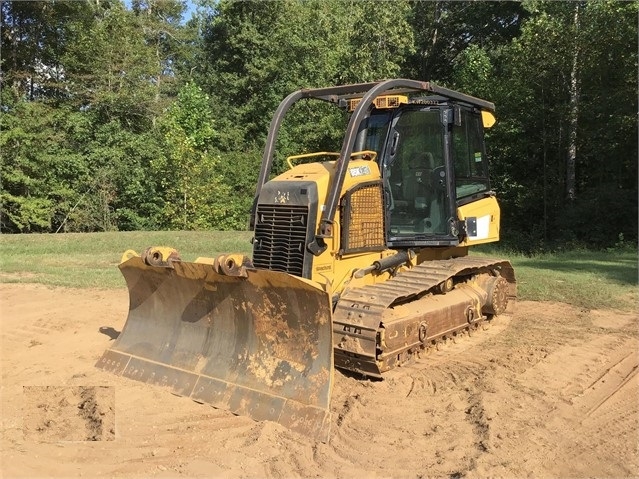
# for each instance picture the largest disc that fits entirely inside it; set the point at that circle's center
(587, 279)
(85, 260)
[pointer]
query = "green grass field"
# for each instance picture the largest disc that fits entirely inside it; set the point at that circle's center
(90, 260)
(586, 279)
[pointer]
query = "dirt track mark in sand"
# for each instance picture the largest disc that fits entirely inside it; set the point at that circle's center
(54, 413)
(30, 334)
(97, 414)
(505, 401)
(612, 380)
(602, 411)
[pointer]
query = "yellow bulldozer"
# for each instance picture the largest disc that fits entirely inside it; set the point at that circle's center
(360, 262)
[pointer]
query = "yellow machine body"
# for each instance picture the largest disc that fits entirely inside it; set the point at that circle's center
(359, 262)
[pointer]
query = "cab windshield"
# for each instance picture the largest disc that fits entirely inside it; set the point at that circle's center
(416, 176)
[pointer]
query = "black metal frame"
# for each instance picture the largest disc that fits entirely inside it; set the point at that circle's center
(333, 95)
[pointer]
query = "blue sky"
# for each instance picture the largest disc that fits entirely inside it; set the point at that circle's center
(190, 9)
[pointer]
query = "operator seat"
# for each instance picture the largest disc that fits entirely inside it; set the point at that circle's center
(416, 184)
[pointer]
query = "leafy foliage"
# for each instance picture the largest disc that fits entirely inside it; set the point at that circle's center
(530, 142)
(40, 168)
(187, 172)
(126, 117)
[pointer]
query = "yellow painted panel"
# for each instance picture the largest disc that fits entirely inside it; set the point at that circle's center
(487, 213)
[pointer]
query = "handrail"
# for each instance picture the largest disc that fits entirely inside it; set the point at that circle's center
(372, 155)
(309, 155)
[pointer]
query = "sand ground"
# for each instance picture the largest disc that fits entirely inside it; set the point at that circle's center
(551, 391)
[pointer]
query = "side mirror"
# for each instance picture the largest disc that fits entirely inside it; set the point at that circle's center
(487, 118)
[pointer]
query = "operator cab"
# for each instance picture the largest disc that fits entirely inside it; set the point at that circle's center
(432, 157)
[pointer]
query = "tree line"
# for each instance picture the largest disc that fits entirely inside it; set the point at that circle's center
(119, 116)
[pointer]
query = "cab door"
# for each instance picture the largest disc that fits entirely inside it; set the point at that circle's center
(417, 172)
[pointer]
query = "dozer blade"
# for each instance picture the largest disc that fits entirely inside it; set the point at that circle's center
(259, 346)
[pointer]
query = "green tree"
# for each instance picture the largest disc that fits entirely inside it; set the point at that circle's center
(102, 104)
(445, 29)
(534, 89)
(41, 171)
(34, 37)
(94, 135)
(256, 53)
(195, 197)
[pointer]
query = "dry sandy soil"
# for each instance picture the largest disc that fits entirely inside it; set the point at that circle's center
(549, 392)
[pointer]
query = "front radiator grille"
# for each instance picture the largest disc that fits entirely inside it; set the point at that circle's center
(280, 238)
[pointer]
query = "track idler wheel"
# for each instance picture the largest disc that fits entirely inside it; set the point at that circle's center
(446, 286)
(497, 300)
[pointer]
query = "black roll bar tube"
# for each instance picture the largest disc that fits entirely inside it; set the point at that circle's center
(333, 94)
(330, 94)
(328, 215)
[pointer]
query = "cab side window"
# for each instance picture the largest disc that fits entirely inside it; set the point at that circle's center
(471, 166)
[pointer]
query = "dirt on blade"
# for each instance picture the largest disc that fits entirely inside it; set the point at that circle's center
(548, 392)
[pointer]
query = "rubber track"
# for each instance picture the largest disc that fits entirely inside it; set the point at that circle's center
(359, 312)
